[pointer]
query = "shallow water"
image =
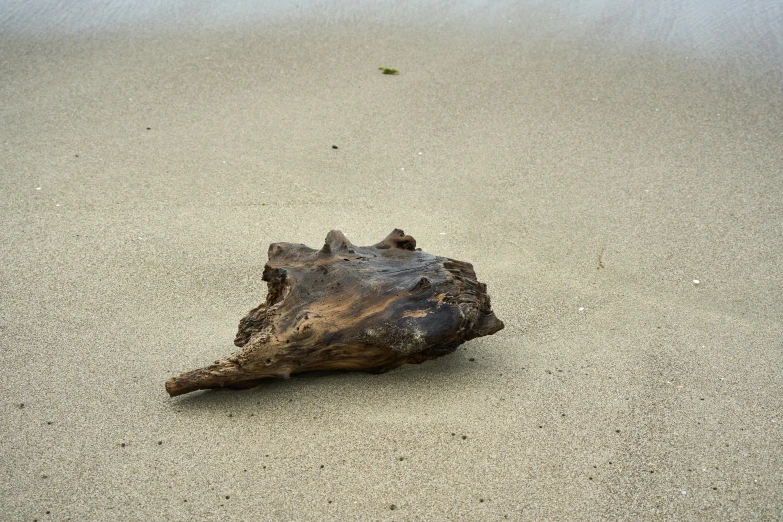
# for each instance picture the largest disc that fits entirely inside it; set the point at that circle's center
(705, 26)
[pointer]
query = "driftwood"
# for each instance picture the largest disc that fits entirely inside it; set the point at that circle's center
(350, 308)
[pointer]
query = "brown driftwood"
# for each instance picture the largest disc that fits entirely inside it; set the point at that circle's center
(351, 308)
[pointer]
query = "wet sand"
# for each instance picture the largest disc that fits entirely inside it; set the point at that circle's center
(592, 162)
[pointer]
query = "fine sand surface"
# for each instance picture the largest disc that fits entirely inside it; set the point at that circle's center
(591, 160)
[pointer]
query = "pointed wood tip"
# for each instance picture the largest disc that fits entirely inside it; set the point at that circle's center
(397, 239)
(337, 240)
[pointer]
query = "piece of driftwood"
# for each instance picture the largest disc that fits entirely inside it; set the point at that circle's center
(351, 308)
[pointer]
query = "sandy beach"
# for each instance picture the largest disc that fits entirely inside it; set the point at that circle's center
(612, 172)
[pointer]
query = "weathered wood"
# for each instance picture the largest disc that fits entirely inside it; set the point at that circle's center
(345, 307)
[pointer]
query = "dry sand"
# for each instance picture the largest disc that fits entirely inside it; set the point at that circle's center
(591, 161)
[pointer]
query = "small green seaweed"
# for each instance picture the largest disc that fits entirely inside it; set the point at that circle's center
(386, 70)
